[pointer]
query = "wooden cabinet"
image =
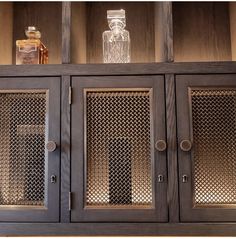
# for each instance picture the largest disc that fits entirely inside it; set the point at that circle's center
(160, 31)
(117, 175)
(30, 120)
(145, 148)
(206, 138)
(141, 149)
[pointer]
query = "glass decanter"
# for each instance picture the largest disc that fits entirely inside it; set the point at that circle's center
(116, 42)
(31, 50)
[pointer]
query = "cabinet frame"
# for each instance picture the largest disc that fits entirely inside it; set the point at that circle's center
(189, 213)
(50, 212)
(158, 212)
(171, 228)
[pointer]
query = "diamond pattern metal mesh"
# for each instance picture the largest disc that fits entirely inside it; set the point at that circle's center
(22, 148)
(118, 148)
(214, 135)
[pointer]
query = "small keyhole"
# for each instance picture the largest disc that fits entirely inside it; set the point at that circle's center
(53, 179)
(184, 178)
(160, 178)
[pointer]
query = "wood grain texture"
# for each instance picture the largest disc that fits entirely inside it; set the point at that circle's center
(232, 14)
(173, 196)
(160, 157)
(119, 69)
(78, 33)
(47, 16)
(66, 32)
(118, 229)
(203, 34)
(139, 22)
(163, 32)
(65, 149)
(6, 26)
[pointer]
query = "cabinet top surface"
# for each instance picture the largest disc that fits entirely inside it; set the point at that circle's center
(118, 69)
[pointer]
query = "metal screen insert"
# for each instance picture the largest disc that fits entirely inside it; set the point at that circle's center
(118, 148)
(22, 148)
(214, 152)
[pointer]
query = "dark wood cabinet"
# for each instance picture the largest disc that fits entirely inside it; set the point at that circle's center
(145, 148)
(115, 122)
(206, 152)
(141, 149)
(30, 119)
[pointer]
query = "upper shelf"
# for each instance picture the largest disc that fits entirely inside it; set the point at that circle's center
(16, 16)
(160, 31)
(144, 21)
(204, 31)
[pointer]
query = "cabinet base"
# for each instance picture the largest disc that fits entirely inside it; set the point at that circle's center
(118, 229)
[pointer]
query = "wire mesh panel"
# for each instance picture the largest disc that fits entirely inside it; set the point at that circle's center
(118, 131)
(22, 148)
(214, 135)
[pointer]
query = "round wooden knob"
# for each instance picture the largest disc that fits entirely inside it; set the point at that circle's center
(160, 145)
(185, 145)
(51, 146)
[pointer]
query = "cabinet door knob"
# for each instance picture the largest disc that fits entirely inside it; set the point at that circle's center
(185, 145)
(51, 146)
(161, 145)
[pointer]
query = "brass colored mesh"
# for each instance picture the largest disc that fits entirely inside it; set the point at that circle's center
(118, 148)
(214, 152)
(22, 148)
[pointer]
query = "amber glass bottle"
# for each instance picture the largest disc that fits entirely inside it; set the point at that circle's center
(31, 50)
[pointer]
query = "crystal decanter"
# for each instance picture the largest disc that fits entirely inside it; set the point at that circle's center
(116, 41)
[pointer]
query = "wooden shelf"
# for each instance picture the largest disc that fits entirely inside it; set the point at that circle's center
(16, 16)
(160, 31)
(206, 33)
(143, 19)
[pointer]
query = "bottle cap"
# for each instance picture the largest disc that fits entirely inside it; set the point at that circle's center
(32, 28)
(32, 32)
(120, 14)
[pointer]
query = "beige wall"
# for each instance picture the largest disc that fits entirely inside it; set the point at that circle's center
(232, 13)
(6, 33)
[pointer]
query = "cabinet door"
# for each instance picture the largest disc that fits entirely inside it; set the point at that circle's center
(115, 169)
(29, 119)
(206, 123)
